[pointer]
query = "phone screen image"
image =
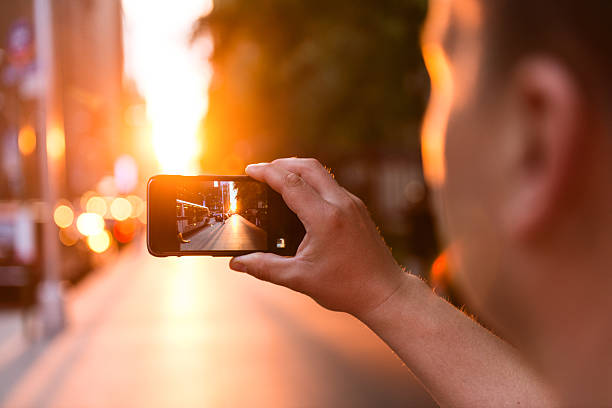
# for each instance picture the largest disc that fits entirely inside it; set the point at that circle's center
(217, 215)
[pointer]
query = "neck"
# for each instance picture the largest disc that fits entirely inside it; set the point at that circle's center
(570, 335)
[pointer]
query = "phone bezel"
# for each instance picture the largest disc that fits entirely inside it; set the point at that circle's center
(282, 221)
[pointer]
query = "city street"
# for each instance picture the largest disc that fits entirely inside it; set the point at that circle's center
(236, 233)
(188, 332)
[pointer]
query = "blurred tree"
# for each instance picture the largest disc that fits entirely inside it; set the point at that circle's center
(318, 77)
(343, 81)
(248, 194)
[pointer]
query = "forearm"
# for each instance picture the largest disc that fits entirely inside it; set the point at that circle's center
(460, 363)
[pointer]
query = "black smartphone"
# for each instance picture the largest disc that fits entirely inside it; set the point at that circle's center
(218, 216)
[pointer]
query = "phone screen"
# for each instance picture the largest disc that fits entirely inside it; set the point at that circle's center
(217, 215)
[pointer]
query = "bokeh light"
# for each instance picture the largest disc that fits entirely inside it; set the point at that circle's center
(96, 205)
(121, 209)
(143, 216)
(63, 216)
(124, 231)
(126, 173)
(107, 186)
(100, 242)
(27, 140)
(138, 205)
(90, 224)
(68, 236)
(85, 198)
(56, 143)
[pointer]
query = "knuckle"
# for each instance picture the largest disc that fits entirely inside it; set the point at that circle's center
(292, 180)
(350, 205)
(335, 217)
(279, 161)
(313, 163)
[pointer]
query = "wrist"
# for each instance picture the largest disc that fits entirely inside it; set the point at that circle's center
(410, 294)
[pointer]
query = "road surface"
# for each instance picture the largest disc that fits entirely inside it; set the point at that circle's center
(237, 233)
(188, 332)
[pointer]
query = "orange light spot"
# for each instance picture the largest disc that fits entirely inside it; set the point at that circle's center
(124, 231)
(27, 140)
(440, 271)
(68, 237)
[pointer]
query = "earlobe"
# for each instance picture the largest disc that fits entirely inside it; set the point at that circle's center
(550, 110)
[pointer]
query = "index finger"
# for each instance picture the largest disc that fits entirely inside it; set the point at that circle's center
(300, 197)
(313, 172)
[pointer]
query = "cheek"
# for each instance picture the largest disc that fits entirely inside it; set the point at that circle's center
(471, 224)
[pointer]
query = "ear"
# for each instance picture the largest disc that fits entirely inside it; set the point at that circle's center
(548, 108)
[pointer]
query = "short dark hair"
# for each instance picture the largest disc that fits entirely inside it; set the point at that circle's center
(579, 33)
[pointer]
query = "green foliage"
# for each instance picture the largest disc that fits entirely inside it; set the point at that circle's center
(312, 77)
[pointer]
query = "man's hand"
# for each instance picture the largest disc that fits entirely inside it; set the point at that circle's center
(344, 265)
(342, 262)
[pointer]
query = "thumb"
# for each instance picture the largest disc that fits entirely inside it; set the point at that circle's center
(264, 266)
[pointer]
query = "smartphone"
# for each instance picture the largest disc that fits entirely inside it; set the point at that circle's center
(218, 216)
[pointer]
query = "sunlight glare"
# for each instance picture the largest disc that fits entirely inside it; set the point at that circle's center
(172, 74)
(233, 198)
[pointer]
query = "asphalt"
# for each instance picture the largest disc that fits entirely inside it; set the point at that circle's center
(188, 332)
(236, 233)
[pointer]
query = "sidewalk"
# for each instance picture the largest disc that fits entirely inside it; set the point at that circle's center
(12, 342)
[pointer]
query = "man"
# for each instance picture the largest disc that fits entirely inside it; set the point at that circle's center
(517, 147)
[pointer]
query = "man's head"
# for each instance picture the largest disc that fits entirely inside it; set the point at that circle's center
(517, 145)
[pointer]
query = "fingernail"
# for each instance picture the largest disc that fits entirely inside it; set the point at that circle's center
(253, 165)
(237, 265)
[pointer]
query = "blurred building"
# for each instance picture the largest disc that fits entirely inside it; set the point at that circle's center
(60, 129)
(90, 58)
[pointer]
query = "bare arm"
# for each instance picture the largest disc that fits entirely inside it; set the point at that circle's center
(344, 265)
(458, 361)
